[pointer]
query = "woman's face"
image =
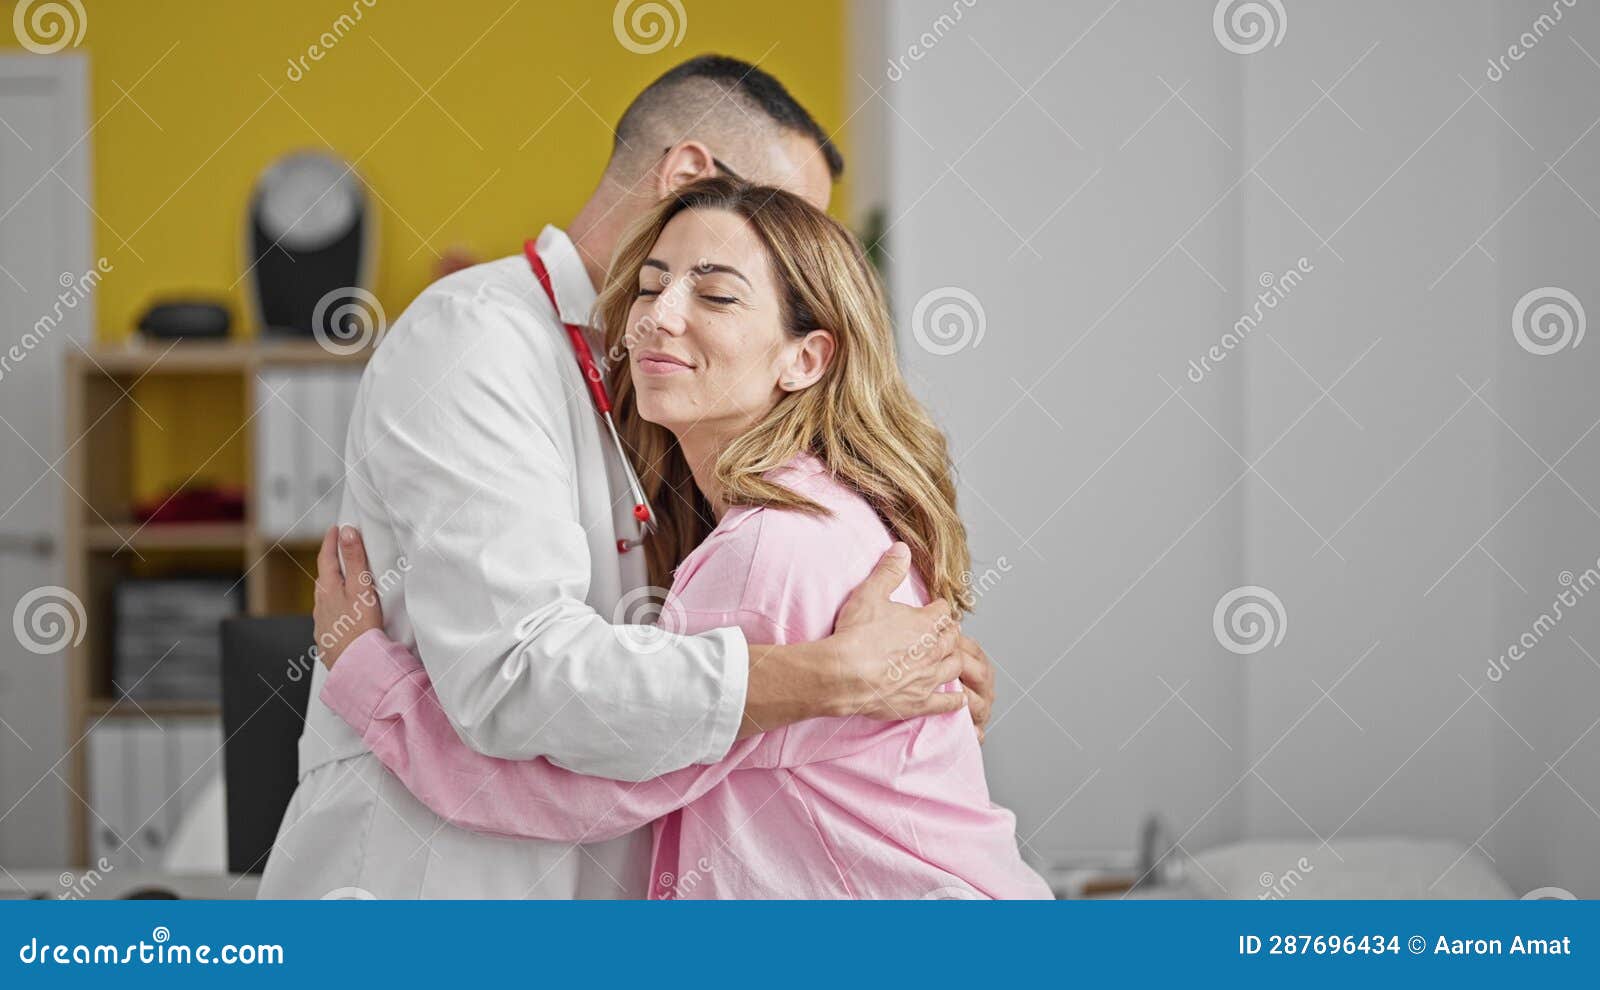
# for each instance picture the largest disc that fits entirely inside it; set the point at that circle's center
(706, 343)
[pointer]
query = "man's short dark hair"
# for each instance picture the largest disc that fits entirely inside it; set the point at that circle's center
(741, 89)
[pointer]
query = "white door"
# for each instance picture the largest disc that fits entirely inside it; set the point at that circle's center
(44, 241)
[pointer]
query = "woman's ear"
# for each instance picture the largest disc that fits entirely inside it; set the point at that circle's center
(808, 360)
(682, 164)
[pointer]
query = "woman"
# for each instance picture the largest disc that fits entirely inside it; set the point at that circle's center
(782, 455)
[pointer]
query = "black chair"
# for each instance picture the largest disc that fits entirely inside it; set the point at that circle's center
(266, 684)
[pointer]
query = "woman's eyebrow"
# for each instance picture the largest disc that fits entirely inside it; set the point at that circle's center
(707, 267)
(704, 268)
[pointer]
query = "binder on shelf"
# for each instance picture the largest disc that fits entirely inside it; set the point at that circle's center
(108, 822)
(322, 440)
(276, 455)
(301, 425)
(143, 779)
(194, 757)
(147, 792)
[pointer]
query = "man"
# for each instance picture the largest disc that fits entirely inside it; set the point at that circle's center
(492, 502)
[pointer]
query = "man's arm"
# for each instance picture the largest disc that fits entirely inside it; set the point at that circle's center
(468, 457)
(885, 661)
(463, 464)
(382, 692)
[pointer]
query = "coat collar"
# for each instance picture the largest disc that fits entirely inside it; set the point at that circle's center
(575, 294)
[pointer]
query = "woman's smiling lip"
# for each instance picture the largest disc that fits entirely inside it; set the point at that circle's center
(659, 363)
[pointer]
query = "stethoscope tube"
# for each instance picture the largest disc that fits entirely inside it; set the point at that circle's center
(602, 402)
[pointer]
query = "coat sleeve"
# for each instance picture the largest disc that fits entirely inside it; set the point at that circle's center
(382, 691)
(468, 460)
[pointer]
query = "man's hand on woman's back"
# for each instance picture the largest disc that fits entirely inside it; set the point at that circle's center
(884, 660)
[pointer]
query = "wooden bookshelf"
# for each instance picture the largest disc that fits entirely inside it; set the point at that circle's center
(103, 542)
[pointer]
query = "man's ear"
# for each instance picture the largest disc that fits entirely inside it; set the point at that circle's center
(682, 164)
(808, 361)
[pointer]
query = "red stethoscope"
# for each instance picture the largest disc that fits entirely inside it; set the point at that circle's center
(597, 392)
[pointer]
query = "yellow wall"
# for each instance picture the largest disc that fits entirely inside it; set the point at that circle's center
(175, 159)
(174, 183)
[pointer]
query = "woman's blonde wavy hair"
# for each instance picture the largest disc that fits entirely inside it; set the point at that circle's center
(859, 419)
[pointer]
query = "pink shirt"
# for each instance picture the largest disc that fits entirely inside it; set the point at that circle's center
(827, 808)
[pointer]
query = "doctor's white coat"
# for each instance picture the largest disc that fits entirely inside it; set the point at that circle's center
(491, 499)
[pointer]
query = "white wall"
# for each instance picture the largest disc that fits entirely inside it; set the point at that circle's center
(1089, 227)
(1127, 509)
(1550, 829)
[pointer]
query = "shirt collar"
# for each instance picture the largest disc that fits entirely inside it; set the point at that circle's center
(575, 294)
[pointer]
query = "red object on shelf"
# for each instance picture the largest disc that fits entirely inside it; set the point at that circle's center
(218, 503)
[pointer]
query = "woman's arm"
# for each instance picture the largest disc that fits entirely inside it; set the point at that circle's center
(383, 692)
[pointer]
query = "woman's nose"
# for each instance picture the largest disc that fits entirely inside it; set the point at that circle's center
(670, 309)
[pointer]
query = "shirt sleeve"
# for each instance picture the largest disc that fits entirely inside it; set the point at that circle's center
(468, 461)
(383, 692)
